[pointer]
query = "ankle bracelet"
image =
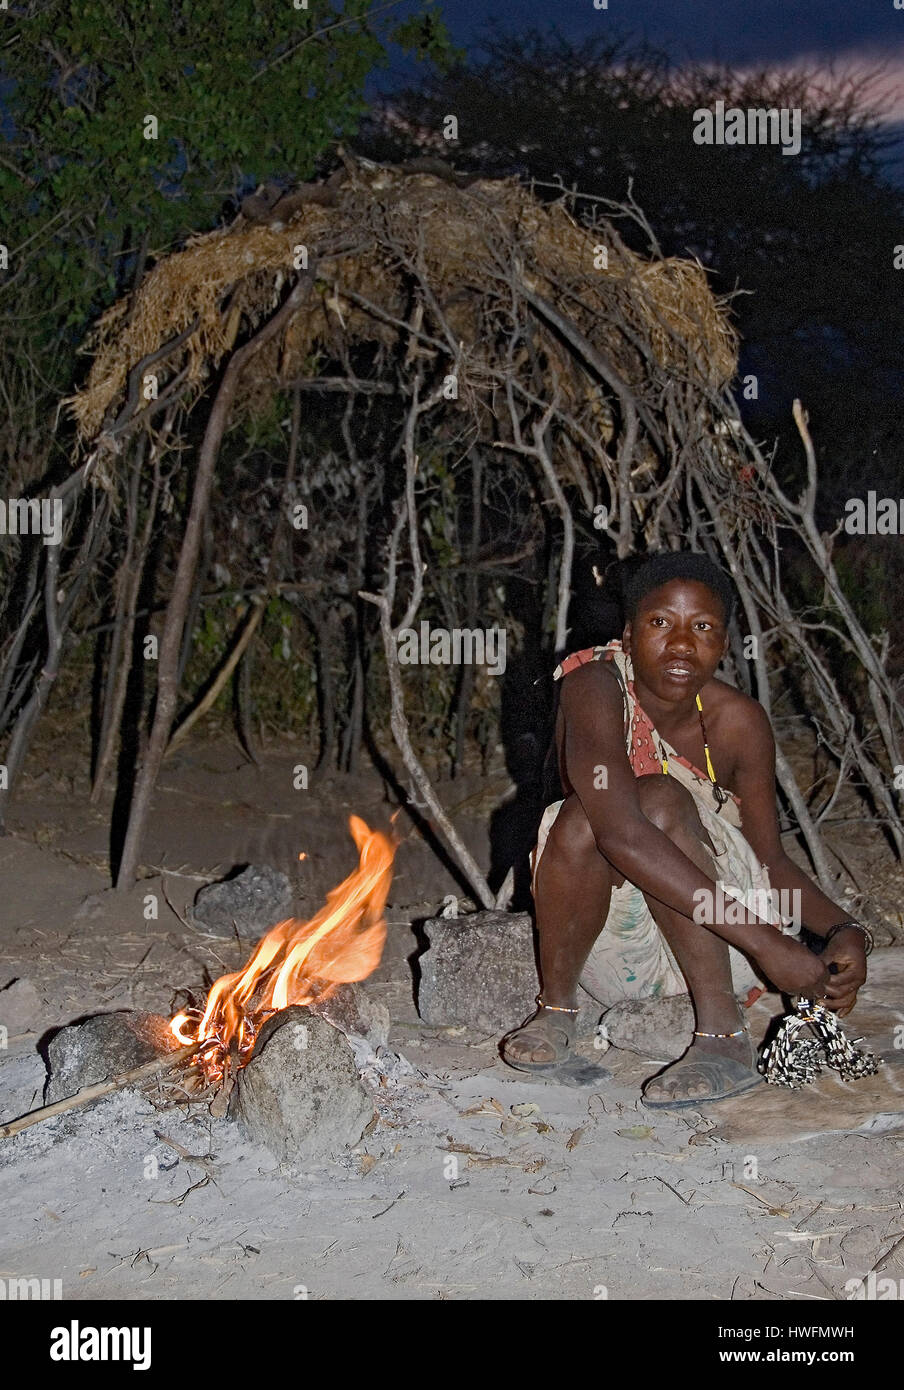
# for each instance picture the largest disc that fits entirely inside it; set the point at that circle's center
(738, 1034)
(555, 1008)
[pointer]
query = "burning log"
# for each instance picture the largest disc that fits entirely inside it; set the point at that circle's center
(296, 963)
(299, 1094)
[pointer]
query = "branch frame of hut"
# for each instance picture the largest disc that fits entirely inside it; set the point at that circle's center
(503, 327)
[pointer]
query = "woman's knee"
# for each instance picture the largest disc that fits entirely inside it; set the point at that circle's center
(572, 846)
(571, 834)
(666, 803)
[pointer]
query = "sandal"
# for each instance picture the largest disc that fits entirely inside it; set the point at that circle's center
(544, 1026)
(725, 1076)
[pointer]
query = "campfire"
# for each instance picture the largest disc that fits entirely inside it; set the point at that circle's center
(296, 963)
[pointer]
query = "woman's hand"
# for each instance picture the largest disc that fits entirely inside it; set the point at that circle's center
(847, 952)
(792, 967)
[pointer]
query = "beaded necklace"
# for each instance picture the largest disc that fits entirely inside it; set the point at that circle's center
(720, 797)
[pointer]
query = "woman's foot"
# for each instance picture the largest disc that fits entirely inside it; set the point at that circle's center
(545, 1040)
(711, 1069)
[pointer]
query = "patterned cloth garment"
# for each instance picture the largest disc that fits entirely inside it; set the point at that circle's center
(631, 959)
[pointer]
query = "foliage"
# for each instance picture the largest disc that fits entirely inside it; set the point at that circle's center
(809, 238)
(244, 92)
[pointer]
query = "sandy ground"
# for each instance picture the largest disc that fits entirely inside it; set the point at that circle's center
(453, 1194)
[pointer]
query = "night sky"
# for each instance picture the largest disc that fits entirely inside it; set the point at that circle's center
(742, 33)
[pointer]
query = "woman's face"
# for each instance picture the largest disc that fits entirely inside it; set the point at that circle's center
(677, 638)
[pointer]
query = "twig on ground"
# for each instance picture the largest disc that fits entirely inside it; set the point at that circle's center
(177, 1201)
(375, 1214)
(887, 1257)
(103, 1088)
(197, 1160)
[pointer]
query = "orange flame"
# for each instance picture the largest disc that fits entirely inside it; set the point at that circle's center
(297, 962)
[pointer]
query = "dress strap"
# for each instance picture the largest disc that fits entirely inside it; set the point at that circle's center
(614, 668)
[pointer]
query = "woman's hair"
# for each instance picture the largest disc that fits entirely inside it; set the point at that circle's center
(659, 569)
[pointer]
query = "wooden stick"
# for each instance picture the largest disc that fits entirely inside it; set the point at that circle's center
(103, 1088)
(250, 618)
(888, 1256)
(177, 608)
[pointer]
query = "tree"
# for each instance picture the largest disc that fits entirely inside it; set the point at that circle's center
(808, 238)
(136, 122)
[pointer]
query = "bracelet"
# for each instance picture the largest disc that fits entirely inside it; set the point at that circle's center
(555, 1008)
(844, 926)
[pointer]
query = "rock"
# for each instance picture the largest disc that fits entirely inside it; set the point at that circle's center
(251, 903)
(657, 1028)
(481, 971)
(21, 1008)
(300, 1094)
(103, 1047)
(356, 1014)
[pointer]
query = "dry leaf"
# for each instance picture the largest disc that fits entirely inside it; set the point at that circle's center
(575, 1139)
(366, 1162)
(453, 1147)
(526, 1107)
(490, 1106)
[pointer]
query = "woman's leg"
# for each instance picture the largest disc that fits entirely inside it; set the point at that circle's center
(703, 957)
(572, 887)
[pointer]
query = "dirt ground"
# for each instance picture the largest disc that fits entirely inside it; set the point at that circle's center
(476, 1182)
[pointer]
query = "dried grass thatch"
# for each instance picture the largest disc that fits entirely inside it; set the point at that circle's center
(382, 224)
(604, 381)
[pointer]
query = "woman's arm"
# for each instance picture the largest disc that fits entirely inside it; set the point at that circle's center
(600, 775)
(754, 782)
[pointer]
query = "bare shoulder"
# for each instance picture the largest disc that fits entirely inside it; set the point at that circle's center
(591, 709)
(591, 689)
(739, 719)
(590, 725)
